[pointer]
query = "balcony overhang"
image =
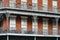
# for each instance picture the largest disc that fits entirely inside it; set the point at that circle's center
(18, 34)
(28, 12)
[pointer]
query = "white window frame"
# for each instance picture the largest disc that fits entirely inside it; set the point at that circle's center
(12, 23)
(45, 2)
(54, 28)
(54, 3)
(12, 3)
(45, 26)
(34, 1)
(23, 23)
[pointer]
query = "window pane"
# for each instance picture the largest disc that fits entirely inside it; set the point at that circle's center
(12, 23)
(24, 24)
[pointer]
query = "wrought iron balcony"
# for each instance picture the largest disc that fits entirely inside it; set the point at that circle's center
(34, 6)
(39, 32)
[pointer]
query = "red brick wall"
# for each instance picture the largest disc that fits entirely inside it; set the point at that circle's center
(5, 26)
(58, 5)
(39, 4)
(6, 3)
(18, 24)
(29, 23)
(18, 3)
(50, 5)
(40, 26)
(59, 27)
(29, 2)
(50, 27)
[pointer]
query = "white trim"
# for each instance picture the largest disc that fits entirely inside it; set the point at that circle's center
(45, 2)
(55, 26)
(24, 7)
(18, 34)
(34, 1)
(45, 26)
(28, 13)
(33, 35)
(3, 34)
(12, 23)
(23, 24)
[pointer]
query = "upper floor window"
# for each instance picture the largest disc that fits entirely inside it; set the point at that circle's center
(24, 23)
(12, 23)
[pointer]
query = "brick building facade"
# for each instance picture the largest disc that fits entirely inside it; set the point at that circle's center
(30, 19)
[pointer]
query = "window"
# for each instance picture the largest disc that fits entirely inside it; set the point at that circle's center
(24, 23)
(54, 3)
(34, 1)
(45, 26)
(12, 3)
(12, 23)
(45, 2)
(55, 28)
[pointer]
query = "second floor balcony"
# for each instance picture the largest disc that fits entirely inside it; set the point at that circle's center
(33, 7)
(30, 32)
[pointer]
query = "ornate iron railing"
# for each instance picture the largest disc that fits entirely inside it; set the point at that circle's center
(34, 6)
